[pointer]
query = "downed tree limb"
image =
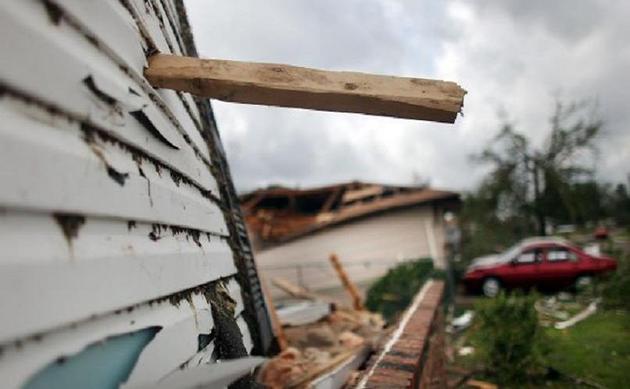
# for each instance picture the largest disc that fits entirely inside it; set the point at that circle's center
(298, 87)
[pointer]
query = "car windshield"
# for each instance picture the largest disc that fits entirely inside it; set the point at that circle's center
(511, 253)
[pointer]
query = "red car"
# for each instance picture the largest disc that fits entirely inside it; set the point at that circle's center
(544, 263)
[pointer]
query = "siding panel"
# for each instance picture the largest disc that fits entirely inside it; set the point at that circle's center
(112, 220)
(19, 363)
(107, 266)
(92, 176)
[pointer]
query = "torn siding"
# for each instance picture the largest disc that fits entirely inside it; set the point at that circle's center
(116, 207)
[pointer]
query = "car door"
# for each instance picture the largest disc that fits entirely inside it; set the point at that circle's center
(523, 269)
(560, 266)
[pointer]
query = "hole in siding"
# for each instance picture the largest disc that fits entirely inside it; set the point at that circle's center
(101, 365)
(203, 340)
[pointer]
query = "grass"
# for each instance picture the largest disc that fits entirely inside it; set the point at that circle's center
(596, 349)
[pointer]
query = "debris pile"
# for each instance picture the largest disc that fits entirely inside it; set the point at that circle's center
(563, 311)
(318, 336)
(318, 347)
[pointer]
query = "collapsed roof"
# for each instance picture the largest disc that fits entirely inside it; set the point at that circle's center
(278, 214)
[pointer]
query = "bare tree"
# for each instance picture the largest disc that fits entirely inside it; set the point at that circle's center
(522, 175)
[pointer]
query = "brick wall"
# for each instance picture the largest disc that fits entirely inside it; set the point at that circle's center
(413, 355)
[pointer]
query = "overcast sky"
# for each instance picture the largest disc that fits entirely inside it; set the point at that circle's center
(515, 58)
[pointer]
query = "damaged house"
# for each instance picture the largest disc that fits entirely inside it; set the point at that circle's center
(369, 226)
(121, 260)
(124, 257)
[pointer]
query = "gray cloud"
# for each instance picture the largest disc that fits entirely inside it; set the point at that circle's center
(512, 56)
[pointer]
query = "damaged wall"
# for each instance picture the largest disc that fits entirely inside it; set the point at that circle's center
(367, 247)
(116, 209)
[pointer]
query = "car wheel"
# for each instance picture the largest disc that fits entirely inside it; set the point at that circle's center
(491, 287)
(583, 282)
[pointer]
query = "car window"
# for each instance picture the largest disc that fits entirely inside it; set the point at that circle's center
(558, 254)
(529, 256)
(512, 252)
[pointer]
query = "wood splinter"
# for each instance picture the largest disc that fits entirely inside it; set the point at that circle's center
(298, 87)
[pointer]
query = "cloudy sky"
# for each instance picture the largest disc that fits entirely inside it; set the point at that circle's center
(514, 57)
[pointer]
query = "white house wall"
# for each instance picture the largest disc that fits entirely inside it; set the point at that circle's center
(367, 247)
(110, 215)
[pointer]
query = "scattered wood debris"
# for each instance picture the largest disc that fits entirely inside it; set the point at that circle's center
(322, 338)
(319, 347)
(563, 312)
(277, 215)
(296, 291)
(588, 311)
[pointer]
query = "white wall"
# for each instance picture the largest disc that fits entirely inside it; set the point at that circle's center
(381, 239)
(104, 206)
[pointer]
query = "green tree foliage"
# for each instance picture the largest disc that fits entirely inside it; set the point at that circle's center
(391, 294)
(619, 204)
(510, 338)
(529, 184)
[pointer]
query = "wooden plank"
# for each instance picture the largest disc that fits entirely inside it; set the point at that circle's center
(297, 87)
(292, 289)
(350, 287)
(362, 193)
